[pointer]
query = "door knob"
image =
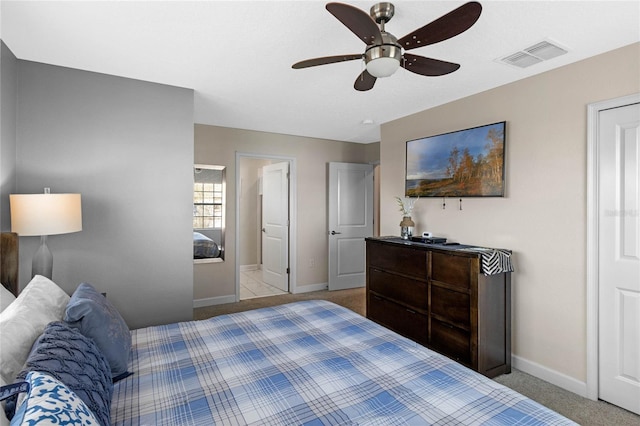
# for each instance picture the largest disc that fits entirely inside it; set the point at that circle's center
(264, 230)
(334, 232)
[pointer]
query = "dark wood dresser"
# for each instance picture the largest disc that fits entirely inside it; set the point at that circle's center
(437, 296)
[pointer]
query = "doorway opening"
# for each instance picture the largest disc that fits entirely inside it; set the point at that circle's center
(265, 225)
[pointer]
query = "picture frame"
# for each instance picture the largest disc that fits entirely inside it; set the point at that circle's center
(462, 163)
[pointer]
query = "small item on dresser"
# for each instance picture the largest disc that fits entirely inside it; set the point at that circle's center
(406, 228)
(431, 240)
(436, 240)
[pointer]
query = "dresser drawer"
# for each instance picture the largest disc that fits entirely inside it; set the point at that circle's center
(453, 270)
(398, 318)
(451, 341)
(451, 306)
(400, 259)
(439, 298)
(399, 288)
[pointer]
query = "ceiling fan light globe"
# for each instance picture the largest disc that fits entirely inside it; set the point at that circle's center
(382, 67)
(383, 60)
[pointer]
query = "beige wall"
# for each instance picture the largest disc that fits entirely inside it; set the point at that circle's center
(372, 152)
(542, 218)
(250, 210)
(218, 145)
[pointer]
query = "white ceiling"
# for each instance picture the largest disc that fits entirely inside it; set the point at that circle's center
(237, 55)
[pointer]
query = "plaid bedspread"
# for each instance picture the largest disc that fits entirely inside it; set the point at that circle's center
(311, 363)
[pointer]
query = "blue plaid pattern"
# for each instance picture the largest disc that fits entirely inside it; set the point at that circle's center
(305, 363)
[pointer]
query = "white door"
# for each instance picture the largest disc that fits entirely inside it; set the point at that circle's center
(350, 221)
(275, 225)
(619, 256)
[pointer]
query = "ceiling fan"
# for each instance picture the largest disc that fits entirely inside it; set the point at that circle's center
(384, 52)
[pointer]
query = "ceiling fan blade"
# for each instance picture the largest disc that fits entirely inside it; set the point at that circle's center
(427, 66)
(358, 21)
(325, 60)
(364, 82)
(443, 28)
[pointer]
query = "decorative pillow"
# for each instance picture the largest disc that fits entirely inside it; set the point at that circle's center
(41, 302)
(75, 360)
(3, 418)
(49, 402)
(6, 297)
(93, 314)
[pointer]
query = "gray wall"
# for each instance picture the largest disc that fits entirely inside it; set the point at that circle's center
(8, 98)
(127, 147)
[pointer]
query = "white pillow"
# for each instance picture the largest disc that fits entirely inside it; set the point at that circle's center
(6, 297)
(23, 321)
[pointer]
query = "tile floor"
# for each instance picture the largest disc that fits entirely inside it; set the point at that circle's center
(251, 286)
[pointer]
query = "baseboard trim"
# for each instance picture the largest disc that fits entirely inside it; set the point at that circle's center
(554, 377)
(210, 301)
(311, 287)
(220, 300)
(245, 268)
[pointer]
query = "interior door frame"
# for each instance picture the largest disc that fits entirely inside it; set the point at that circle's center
(292, 216)
(593, 200)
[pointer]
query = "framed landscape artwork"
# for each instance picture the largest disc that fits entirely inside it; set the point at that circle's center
(464, 163)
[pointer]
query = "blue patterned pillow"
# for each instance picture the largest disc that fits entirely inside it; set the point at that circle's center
(95, 317)
(75, 360)
(50, 402)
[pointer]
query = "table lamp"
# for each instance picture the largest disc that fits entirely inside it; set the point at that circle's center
(43, 215)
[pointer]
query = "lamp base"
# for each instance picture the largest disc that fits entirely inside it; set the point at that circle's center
(42, 260)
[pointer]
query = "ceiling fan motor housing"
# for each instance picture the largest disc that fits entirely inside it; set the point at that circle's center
(383, 60)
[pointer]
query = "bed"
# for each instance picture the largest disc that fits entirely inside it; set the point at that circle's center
(311, 363)
(204, 247)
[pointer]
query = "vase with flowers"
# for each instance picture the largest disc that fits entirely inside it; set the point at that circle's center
(406, 225)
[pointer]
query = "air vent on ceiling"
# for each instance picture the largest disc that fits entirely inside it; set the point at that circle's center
(531, 55)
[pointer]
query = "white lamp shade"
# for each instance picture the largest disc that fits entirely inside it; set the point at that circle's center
(45, 214)
(382, 67)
